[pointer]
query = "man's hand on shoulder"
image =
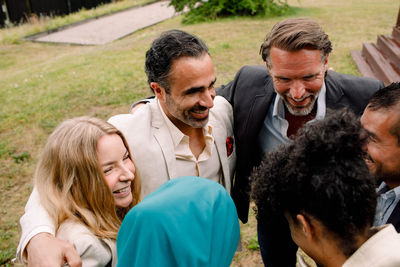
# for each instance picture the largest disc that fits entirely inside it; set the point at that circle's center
(46, 250)
(136, 107)
(138, 104)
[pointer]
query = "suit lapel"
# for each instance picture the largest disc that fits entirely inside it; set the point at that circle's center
(219, 135)
(163, 137)
(333, 91)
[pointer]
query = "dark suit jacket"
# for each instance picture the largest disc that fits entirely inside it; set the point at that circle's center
(395, 217)
(251, 93)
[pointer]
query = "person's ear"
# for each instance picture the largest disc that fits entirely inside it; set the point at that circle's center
(305, 226)
(326, 62)
(158, 90)
(269, 67)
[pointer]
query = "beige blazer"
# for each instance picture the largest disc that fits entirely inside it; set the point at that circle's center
(94, 252)
(151, 145)
(152, 148)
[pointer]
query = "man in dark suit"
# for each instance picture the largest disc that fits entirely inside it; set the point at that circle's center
(271, 103)
(381, 119)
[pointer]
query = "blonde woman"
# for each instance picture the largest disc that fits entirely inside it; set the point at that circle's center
(86, 182)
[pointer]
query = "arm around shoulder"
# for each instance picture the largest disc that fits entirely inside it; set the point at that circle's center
(38, 246)
(34, 221)
(93, 251)
(253, 79)
(228, 90)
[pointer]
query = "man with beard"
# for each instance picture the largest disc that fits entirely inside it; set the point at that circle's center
(185, 131)
(271, 103)
(381, 119)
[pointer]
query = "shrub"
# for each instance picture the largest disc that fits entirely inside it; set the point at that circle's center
(204, 10)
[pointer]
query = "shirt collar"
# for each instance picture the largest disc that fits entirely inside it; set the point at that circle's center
(176, 134)
(321, 103)
(279, 110)
(384, 190)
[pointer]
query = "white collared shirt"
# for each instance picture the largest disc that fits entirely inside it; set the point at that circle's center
(207, 165)
(274, 129)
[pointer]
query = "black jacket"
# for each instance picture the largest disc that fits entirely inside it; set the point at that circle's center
(395, 217)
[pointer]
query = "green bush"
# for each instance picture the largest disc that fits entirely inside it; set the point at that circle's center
(204, 10)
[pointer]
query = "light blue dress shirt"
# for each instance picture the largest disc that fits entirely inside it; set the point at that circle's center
(274, 129)
(386, 202)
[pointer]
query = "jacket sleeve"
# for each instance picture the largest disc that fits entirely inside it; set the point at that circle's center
(35, 220)
(228, 90)
(94, 252)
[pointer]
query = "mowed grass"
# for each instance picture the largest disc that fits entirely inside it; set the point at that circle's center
(43, 84)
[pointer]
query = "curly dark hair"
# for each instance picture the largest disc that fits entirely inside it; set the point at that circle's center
(170, 46)
(321, 174)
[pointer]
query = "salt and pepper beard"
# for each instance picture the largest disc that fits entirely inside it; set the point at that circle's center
(303, 111)
(184, 115)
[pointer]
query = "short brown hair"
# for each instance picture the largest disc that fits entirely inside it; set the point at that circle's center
(296, 34)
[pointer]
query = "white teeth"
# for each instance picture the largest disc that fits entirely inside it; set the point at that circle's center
(301, 99)
(122, 190)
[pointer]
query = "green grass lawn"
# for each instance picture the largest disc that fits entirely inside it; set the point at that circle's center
(43, 84)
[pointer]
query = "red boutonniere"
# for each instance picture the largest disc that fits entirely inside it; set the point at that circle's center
(229, 145)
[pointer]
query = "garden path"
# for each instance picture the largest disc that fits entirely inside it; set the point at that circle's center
(108, 28)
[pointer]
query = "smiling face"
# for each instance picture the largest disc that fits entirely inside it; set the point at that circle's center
(298, 77)
(382, 147)
(191, 92)
(117, 167)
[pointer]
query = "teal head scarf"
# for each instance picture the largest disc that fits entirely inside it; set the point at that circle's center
(188, 221)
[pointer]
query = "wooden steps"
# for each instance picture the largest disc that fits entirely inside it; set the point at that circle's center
(381, 60)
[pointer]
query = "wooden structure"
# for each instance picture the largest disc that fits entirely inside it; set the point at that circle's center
(381, 60)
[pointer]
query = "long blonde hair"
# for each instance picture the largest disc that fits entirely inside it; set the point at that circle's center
(71, 183)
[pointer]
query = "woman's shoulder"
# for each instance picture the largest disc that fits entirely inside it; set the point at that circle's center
(73, 232)
(93, 250)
